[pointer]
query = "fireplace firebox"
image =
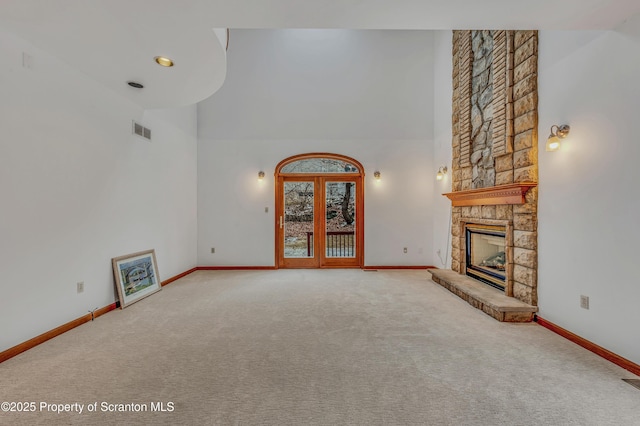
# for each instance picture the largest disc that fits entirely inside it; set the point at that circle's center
(486, 254)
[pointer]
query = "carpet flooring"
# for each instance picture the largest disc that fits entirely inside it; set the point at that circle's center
(312, 347)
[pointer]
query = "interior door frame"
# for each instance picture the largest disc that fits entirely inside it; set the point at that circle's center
(319, 179)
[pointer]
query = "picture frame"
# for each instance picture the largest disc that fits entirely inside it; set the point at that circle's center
(136, 276)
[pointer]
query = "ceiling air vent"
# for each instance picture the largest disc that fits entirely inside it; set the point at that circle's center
(140, 130)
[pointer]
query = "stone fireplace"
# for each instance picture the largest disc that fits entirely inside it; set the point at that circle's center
(495, 161)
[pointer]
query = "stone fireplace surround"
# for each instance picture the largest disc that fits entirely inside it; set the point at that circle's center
(501, 305)
(495, 154)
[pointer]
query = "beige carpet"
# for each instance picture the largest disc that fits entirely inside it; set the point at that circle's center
(317, 347)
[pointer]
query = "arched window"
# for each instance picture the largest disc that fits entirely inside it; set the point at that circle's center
(319, 163)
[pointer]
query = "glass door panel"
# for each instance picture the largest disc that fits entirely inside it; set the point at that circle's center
(317, 225)
(298, 219)
(340, 221)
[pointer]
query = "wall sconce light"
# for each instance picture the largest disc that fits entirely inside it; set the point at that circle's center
(553, 141)
(441, 172)
(260, 175)
(376, 175)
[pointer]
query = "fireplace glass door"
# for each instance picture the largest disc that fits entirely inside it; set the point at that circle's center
(486, 254)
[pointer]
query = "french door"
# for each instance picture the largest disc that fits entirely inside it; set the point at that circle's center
(319, 220)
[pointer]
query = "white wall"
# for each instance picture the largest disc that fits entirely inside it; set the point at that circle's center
(442, 111)
(77, 189)
(364, 94)
(589, 205)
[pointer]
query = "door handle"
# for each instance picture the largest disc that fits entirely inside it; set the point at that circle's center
(280, 222)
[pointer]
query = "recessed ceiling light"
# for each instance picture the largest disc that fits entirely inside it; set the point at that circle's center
(165, 62)
(135, 84)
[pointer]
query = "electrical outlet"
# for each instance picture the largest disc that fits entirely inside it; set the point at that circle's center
(80, 286)
(584, 302)
(213, 249)
(266, 209)
(404, 250)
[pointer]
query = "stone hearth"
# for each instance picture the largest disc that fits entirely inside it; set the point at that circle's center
(485, 298)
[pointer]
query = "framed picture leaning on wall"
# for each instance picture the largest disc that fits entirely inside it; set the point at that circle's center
(136, 276)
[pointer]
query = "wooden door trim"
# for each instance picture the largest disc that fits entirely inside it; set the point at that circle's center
(359, 236)
(281, 261)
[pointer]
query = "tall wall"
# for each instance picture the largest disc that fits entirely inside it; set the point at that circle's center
(442, 110)
(589, 208)
(77, 189)
(364, 94)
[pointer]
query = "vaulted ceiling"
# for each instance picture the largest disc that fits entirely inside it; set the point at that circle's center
(115, 41)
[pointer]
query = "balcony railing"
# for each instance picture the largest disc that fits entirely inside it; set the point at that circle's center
(337, 243)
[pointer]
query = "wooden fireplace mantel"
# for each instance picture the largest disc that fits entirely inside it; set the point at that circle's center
(512, 193)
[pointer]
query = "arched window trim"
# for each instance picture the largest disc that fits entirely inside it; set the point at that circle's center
(319, 155)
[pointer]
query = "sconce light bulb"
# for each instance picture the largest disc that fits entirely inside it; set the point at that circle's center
(376, 175)
(260, 175)
(439, 176)
(553, 143)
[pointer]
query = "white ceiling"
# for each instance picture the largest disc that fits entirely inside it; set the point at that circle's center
(115, 41)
